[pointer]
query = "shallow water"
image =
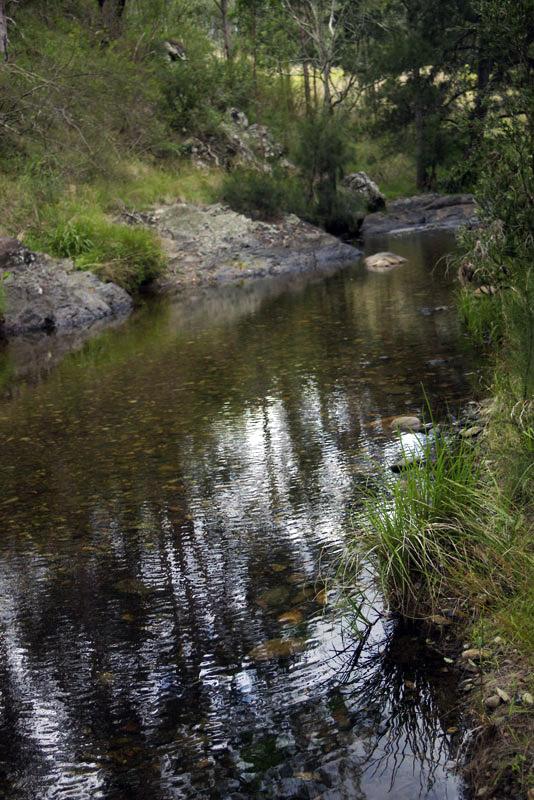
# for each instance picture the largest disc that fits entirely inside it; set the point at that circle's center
(174, 496)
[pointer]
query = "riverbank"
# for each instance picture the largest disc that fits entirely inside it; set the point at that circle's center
(183, 246)
(175, 247)
(452, 544)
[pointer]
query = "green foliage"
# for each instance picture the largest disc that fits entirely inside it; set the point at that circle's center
(128, 256)
(260, 195)
(322, 153)
(482, 316)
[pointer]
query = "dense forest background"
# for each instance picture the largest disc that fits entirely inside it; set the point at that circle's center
(419, 93)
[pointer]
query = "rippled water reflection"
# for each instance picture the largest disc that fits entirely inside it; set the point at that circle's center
(173, 496)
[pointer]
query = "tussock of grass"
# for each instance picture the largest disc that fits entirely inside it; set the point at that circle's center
(441, 534)
(125, 255)
(481, 316)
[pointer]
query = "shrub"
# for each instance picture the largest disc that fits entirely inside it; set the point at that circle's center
(262, 195)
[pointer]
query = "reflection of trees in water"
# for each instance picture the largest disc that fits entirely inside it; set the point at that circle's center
(397, 679)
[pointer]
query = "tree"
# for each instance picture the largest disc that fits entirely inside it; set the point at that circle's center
(329, 33)
(224, 8)
(419, 62)
(112, 12)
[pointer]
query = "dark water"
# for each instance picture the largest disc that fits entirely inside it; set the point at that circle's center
(169, 493)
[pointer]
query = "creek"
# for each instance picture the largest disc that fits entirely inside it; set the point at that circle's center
(176, 496)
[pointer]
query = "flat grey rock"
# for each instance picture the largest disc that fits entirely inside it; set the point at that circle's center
(427, 212)
(213, 245)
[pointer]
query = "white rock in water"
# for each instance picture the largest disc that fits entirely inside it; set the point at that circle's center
(384, 262)
(406, 424)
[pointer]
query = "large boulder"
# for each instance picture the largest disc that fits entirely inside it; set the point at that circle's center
(365, 191)
(213, 245)
(425, 212)
(45, 294)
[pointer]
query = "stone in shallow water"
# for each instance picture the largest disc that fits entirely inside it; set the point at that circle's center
(293, 617)
(384, 262)
(406, 424)
(277, 648)
(277, 596)
(132, 586)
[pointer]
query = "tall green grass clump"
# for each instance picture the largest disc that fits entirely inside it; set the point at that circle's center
(438, 534)
(126, 255)
(482, 316)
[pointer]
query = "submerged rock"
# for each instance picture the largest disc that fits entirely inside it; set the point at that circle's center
(406, 424)
(46, 294)
(422, 213)
(277, 648)
(291, 617)
(415, 449)
(384, 262)
(275, 597)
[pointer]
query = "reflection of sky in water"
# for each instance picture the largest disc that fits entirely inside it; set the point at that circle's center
(167, 495)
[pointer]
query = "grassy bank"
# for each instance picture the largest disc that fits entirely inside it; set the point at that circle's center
(451, 544)
(453, 538)
(81, 220)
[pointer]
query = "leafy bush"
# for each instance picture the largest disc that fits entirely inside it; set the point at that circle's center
(128, 256)
(262, 195)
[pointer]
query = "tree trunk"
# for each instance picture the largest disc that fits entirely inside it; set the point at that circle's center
(4, 53)
(223, 6)
(325, 74)
(420, 149)
(484, 67)
(315, 94)
(112, 13)
(307, 87)
(255, 54)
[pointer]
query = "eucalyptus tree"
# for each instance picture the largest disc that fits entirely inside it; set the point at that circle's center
(330, 34)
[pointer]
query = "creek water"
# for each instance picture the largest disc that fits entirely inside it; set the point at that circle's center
(174, 496)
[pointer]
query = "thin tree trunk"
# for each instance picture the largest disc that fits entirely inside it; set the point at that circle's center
(225, 24)
(326, 89)
(420, 150)
(306, 73)
(255, 54)
(4, 53)
(112, 13)
(307, 87)
(288, 79)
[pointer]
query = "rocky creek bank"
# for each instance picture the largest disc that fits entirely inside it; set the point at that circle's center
(39, 293)
(427, 212)
(205, 246)
(212, 245)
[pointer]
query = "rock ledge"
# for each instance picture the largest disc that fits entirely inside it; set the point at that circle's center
(45, 294)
